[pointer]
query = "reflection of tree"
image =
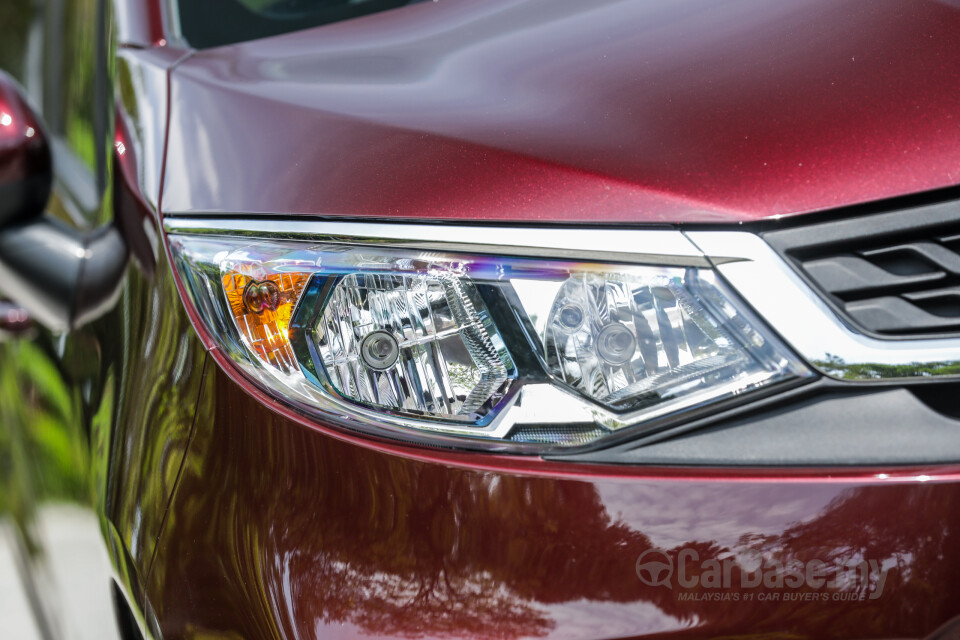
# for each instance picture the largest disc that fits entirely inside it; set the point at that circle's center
(377, 570)
(836, 366)
(305, 532)
(883, 524)
(43, 449)
(887, 524)
(389, 545)
(15, 20)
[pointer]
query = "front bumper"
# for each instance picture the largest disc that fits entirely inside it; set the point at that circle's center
(390, 541)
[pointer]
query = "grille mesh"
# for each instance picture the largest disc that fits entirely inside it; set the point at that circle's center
(890, 274)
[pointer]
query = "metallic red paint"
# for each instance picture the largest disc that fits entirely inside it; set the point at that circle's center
(142, 79)
(662, 111)
(158, 388)
(156, 363)
(25, 162)
(398, 545)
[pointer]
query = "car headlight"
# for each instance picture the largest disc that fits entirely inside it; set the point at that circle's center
(471, 349)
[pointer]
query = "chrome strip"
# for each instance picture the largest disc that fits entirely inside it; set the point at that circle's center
(651, 246)
(811, 327)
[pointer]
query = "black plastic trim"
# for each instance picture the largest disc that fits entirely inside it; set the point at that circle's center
(884, 303)
(837, 427)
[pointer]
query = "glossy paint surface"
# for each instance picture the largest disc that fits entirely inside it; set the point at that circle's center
(19, 132)
(394, 545)
(155, 360)
(25, 164)
(155, 403)
(101, 416)
(654, 111)
(141, 80)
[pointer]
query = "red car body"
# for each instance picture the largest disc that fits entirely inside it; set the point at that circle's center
(231, 515)
(637, 112)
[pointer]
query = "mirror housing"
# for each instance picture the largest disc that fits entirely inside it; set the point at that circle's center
(26, 169)
(63, 277)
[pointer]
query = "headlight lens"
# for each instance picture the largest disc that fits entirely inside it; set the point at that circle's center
(418, 344)
(630, 338)
(476, 350)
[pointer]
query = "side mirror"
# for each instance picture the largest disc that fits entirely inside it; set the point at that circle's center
(61, 276)
(26, 171)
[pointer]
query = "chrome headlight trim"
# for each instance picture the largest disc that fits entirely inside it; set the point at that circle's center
(808, 324)
(666, 247)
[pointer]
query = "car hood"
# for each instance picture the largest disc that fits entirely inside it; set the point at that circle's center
(663, 111)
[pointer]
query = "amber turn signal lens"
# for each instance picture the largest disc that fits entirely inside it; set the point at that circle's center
(261, 309)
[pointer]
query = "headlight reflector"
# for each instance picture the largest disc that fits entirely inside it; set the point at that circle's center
(636, 335)
(419, 344)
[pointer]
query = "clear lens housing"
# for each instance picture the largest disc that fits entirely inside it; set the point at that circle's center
(633, 338)
(476, 350)
(418, 344)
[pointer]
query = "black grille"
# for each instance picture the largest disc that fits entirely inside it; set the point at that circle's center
(892, 274)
